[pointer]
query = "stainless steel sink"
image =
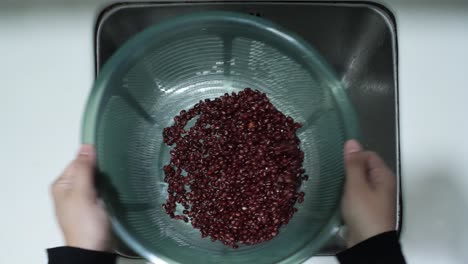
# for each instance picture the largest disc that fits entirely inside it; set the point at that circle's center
(358, 39)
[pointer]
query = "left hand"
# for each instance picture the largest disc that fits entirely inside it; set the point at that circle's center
(81, 217)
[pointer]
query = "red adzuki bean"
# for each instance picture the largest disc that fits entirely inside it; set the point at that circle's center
(235, 172)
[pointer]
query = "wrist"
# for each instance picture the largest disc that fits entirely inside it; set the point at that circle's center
(102, 246)
(355, 238)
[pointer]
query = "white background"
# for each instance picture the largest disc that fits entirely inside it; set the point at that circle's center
(46, 72)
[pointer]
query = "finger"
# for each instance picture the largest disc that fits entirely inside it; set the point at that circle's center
(380, 175)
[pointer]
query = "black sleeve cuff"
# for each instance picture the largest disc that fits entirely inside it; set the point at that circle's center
(383, 248)
(71, 255)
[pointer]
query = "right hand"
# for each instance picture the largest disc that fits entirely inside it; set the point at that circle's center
(369, 199)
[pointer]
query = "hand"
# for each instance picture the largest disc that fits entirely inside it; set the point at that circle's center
(368, 205)
(80, 215)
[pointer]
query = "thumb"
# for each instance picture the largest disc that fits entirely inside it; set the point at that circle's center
(352, 146)
(355, 163)
(84, 165)
(78, 176)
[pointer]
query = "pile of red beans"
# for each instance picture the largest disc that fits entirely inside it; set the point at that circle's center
(236, 171)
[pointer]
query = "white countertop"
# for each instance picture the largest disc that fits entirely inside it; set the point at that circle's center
(46, 69)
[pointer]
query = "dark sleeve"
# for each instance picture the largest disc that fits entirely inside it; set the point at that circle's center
(382, 249)
(71, 255)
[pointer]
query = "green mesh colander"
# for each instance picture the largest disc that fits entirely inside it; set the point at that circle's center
(170, 67)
